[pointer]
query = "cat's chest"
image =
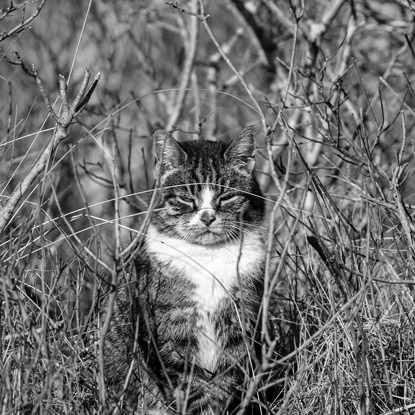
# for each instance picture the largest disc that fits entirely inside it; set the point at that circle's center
(212, 270)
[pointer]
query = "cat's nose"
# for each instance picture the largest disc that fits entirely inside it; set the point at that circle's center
(207, 216)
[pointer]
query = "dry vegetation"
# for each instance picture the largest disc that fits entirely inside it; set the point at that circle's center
(330, 86)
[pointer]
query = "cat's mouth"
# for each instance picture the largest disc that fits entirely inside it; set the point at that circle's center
(217, 230)
(206, 235)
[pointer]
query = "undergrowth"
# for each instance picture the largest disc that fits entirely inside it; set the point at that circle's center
(330, 91)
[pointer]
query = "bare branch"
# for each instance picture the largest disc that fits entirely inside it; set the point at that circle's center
(187, 68)
(212, 81)
(79, 108)
(23, 25)
(81, 92)
(19, 62)
(279, 14)
(317, 30)
(62, 90)
(265, 124)
(59, 134)
(262, 41)
(45, 95)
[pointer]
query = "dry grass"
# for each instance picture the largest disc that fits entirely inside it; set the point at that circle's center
(332, 96)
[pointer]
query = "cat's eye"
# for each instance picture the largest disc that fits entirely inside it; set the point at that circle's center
(229, 199)
(186, 200)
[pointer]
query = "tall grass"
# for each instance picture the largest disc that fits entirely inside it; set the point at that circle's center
(333, 106)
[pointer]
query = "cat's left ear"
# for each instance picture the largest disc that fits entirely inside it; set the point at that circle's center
(241, 149)
(168, 152)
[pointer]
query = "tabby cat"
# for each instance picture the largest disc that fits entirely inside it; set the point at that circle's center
(186, 327)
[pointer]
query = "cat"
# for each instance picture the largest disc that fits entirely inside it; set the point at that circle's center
(186, 327)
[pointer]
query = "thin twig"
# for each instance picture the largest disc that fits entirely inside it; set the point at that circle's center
(45, 95)
(60, 133)
(212, 81)
(79, 108)
(187, 68)
(23, 25)
(82, 90)
(265, 123)
(19, 62)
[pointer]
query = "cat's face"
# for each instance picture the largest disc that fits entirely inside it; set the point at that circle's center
(208, 193)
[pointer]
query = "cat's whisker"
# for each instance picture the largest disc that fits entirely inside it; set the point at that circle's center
(199, 260)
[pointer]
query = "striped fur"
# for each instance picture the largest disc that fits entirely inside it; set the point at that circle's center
(188, 324)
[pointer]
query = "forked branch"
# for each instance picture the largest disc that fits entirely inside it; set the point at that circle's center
(62, 122)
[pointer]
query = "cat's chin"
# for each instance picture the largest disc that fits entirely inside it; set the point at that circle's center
(207, 237)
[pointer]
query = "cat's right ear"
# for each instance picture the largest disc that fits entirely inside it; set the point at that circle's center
(241, 150)
(169, 154)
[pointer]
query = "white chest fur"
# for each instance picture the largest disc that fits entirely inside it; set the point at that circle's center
(213, 270)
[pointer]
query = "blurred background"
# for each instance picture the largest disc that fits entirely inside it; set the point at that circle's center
(323, 74)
